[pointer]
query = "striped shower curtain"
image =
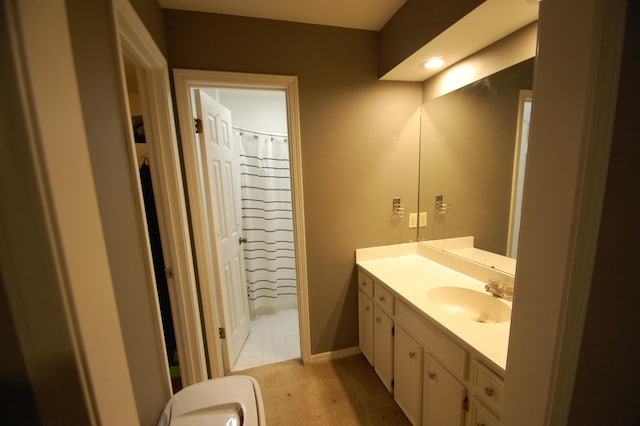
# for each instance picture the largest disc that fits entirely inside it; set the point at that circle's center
(267, 222)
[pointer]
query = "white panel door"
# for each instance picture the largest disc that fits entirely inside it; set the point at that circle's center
(221, 172)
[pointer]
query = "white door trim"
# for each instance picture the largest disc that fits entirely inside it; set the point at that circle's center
(552, 292)
(133, 38)
(184, 82)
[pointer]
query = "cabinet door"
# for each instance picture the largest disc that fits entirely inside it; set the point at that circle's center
(365, 326)
(443, 396)
(383, 347)
(407, 389)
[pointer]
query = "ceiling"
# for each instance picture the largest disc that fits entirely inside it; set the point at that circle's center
(359, 14)
(488, 23)
(483, 26)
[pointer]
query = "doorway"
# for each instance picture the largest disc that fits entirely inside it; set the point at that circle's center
(143, 164)
(519, 165)
(159, 125)
(260, 133)
(263, 128)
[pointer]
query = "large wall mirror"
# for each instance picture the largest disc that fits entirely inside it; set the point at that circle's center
(472, 156)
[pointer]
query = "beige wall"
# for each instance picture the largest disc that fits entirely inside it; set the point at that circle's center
(36, 354)
(415, 24)
(359, 142)
(468, 140)
(119, 201)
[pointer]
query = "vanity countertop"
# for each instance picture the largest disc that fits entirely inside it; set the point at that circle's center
(411, 275)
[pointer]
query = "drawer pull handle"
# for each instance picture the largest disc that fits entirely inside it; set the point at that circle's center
(489, 391)
(479, 424)
(381, 298)
(432, 376)
(412, 354)
(367, 308)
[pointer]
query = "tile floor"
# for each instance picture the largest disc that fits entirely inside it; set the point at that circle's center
(273, 338)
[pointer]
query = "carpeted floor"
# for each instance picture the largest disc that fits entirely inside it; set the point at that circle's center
(341, 392)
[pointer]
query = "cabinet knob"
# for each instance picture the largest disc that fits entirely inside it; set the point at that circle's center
(377, 319)
(412, 354)
(479, 424)
(381, 298)
(363, 283)
(489, 391)
(432, 375)
(366, 308)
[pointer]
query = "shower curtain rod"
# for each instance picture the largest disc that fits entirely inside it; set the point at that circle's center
(278, 135)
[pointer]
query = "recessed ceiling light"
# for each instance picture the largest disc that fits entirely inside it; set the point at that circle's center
(434, 63)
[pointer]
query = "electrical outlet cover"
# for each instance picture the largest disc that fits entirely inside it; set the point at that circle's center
(423, 219)
(413, 220)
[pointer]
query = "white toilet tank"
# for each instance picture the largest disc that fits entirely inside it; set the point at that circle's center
(226, 401)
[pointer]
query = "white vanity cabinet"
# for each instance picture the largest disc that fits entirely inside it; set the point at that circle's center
(437, 379)
(442, 389)
(375, 326)
(365, 316)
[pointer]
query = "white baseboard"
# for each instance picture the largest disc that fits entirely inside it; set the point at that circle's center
(329, 356)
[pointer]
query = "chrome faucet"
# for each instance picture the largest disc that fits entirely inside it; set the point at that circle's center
(498, 290)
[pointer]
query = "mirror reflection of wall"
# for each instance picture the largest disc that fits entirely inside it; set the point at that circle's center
(468, 140)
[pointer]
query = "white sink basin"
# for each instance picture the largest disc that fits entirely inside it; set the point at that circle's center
(470, 304)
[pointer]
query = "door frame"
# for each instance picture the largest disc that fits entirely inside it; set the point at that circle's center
(184, 81)
(133, 39)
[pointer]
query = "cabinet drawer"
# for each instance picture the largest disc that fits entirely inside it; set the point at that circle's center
(480, 416)
(447, 352)
(487, 386)
(365, 283)
(383, 298)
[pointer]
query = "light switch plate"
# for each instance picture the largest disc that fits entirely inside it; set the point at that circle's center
(423, 219)
(413, 220)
